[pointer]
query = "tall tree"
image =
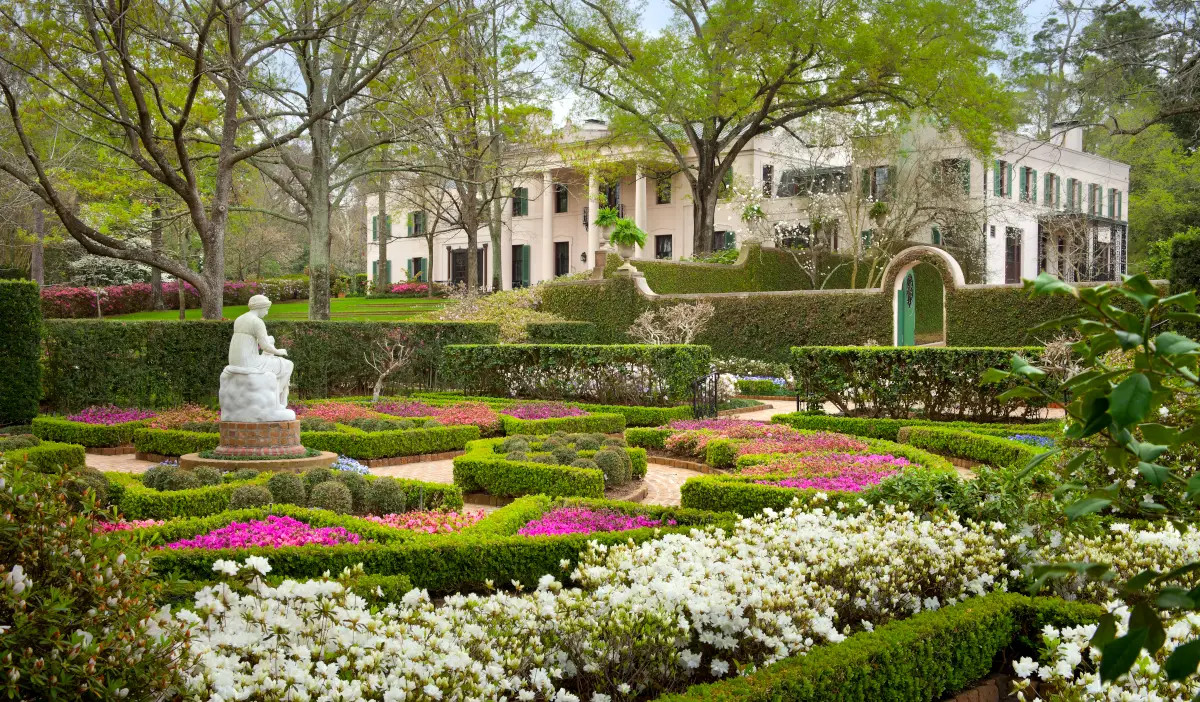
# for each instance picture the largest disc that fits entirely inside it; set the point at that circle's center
(157, 87)
(725, 71)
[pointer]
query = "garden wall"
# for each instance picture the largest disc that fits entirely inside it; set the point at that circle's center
(757, 270)
(157, 364)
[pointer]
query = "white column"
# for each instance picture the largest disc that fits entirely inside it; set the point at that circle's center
(639, 206)
(546, 250)
(593, 232)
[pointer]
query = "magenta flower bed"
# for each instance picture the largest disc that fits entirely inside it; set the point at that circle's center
(718, 425)
(411, 408)
(63, 302)
(755, 437)
(429, 521)
(805, 443)
(106, 527)
(830, 471)
(584, 520)
(336, 411)
(404, 288)
(275, 532)
(110, 414)
(475, 413)
(542, 410)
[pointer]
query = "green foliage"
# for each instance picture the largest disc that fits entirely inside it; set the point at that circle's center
(721, 453)
(616, 466)
(647, 437)
(315, 476)
(59, 596)
(560, 332)
(624, 374)
(10, 442)
(249, 496)
(207, 475)
(142, 360)
(386, 444)
(941, 383)
(481, 469)
(756, 270)
(333, 496)
(930, 294)
(883, 428)
(726, 493)
(173, 442)
(286, 488)
(20, 337)
(931, 655)
(600, 423)
(991, 450)
(761, 387)
(1185, 261)
(358, 487)
(626, 233)
(49, 456)
(394, 495)
(135, 498)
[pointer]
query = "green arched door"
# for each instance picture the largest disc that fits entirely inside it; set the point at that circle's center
(906, 311)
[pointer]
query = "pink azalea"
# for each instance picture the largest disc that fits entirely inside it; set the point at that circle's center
(542, 410)
(475, 413)
(110, 414)
(336, 411)
(412, 408)
(275, 532)
(829, 471)
(585, 520)
(430, 521)
(106, 527)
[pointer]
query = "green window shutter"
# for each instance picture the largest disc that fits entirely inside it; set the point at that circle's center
(375, 228)
(1033, 187)
(409, 266)
(1057, 192)
(375, 270)
(1120, 205)
(387, 227)
(1024, 183)
(387, 278)
(937, 236)
(409, 224)
(1011, 194)
(866, 183)
(996, 179)
(1090, 198)
(1112, 195)
(525, 258)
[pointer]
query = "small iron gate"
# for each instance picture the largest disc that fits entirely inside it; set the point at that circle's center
(705, 397)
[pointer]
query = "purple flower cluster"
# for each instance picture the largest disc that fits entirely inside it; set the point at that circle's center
(412, 408)
(584, 520)
(275, 532)
(542, 410)
(1033, 440)
(110, 414)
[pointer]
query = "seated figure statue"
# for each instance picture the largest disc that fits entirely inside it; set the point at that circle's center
(254, 386)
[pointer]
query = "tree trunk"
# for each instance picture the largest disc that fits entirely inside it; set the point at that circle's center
(429, 266)
(156, 244)
(383, 231)
(497, 257)
(470, 221)
(37, 257)
(318, 224)
(704, 214)
(179, 282)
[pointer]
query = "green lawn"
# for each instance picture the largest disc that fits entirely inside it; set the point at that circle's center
(357, 309)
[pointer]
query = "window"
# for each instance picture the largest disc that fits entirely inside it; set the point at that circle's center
(662, 246)
(612, 195)
(722, 240)
(937, 236)
(662, 191)
(1027, 184)
(416, 224)
(520, 202)
(562, 257)
(768, 180)
(1050, 190)
(1095, 199)
(1002, 179)
(1012, 254)
(520, 265)
(1074, 195)
(560, 198)
(417, 269)
(876, 183)
(993, 231)
(795, 182)
(386, 279)
(954, 171)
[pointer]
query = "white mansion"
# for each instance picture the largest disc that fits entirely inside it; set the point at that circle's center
(1036, 205)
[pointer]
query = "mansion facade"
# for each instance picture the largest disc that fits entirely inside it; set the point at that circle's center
(1037, 205)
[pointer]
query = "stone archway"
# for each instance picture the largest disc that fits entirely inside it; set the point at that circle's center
(896, 274)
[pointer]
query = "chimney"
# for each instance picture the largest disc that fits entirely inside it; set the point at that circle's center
(1068, 134)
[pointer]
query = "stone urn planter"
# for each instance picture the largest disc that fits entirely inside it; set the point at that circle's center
(626, 251)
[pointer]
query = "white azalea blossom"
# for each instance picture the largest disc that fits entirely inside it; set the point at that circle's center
(639, 617)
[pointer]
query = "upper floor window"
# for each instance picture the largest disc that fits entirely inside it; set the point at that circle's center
(520, 202)
(1074, 195)
(768, 180)
(876, 184)
(662, 191)
(1095, 199)
(1027, 184)
(416, 224)
(612, 195)
(1051, 190)
(560, 198)
(1114, 203)
(954, 172)
(811, 181)
(1002, 179)
(375, 227)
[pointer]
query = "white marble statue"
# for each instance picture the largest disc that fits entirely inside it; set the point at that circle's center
(254, 386)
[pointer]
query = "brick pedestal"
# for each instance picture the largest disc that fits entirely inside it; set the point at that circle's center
(260, 439)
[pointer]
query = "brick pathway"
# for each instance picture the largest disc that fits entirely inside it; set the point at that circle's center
(124, 463)
(663, 483)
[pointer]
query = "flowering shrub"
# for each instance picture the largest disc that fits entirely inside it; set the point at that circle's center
(175, 418)
(345, 463)
(65, 302)
(585, 520)
(829, 471)
(542, 410)
(430, 521)
(412, 408)
(718, 425)
(1034, 440)
(276, 531)
(1066, 675)
(336, 411)
(475, 413)
(408, 288)
(106, 527)
(110, 414)
(755, 437)
(643, 618)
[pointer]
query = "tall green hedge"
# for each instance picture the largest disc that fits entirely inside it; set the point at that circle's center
(561, 332)
(758, 270)
(938, 383)
(762, 326)
(156, 364)
(628, 374)
(20, 337)
(1185, 261)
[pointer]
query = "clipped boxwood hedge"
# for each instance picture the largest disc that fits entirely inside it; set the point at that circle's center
(84, 434)
(632, 374)
(173, 442)
(177, 529)
(480, 469)
(136, 501)
(20, 337)
(929, 656)
(590, 424)
(561, 332)
(49, 456)
(991, 450)
(885, 428)
(647, 437)
(387, 444)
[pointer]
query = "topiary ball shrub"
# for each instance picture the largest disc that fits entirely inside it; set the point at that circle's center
(564, 455)
(613, 442)
(333, 496)
(248, 496)
(584, 463)
(154, 476)
(514, 443)
(386, 496)
(358, 487)
(179, 479)
(287, 488)
(516, 456)
(560, 435)
(616, 465)
(207, 475)
(84, 479)
(587, 443)
(547, 458)
(241, 474)
(18, 441)
(315, 476)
